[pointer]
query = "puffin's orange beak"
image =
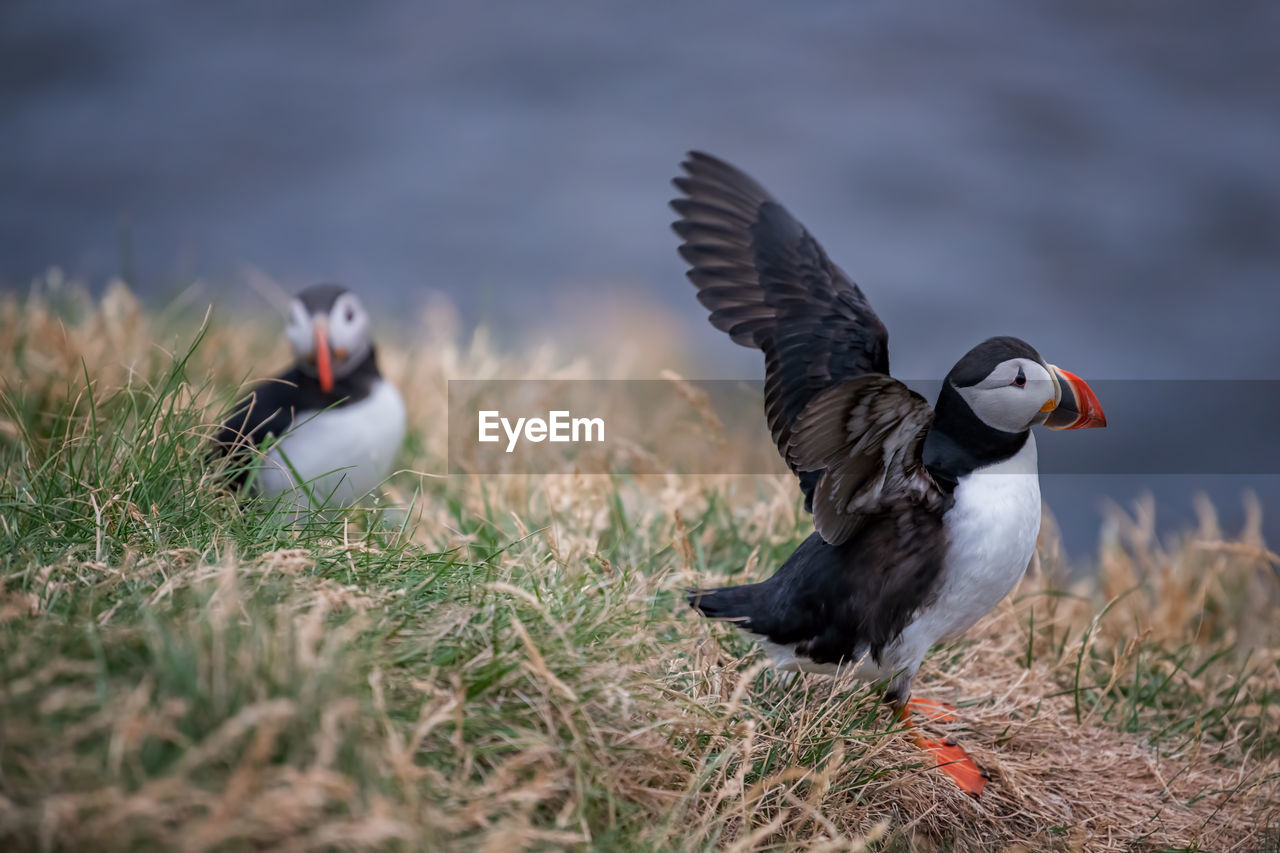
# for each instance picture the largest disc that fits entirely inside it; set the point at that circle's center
(324, 367)
(1076, 406)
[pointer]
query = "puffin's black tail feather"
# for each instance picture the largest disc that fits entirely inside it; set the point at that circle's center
(726, 602)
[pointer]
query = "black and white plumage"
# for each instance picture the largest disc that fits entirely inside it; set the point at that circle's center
(337, 423)
(925, 517)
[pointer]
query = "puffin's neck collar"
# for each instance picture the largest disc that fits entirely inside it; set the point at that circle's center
(355, 384)
(959, 442)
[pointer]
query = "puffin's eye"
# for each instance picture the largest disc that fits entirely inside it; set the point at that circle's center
(1021, 379)
(351, 314)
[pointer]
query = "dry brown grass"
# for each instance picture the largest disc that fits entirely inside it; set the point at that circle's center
(508, 664)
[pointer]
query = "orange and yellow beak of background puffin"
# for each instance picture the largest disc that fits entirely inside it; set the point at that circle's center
(324, 364)
(1074, 406)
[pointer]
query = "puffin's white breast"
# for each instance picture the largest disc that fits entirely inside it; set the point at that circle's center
(991, 532)
(339, 454)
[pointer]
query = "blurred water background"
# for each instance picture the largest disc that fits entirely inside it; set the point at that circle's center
(1101, 179)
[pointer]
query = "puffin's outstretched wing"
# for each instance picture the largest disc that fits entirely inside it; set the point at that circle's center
(864, 439)
(769, 284)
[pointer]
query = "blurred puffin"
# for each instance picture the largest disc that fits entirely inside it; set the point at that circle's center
(925, 517)
(337, 423)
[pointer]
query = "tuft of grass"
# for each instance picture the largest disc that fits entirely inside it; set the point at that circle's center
(507, 663)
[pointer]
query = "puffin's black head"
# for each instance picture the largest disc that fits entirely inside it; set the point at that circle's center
(979, 362)
(329, 331)
(1007, 385)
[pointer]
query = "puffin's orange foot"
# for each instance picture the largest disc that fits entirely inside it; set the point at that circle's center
(950, 758)
(937, 712)
(956, 763)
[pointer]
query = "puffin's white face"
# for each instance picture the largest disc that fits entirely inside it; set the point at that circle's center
(348, 331)
(329, 345)
(1018, 394)
(301, 335)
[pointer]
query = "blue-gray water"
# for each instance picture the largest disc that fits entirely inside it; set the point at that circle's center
(1102, 179)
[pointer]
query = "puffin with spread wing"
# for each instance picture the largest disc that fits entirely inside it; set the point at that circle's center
(925, 517)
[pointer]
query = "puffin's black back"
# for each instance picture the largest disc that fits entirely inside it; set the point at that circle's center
(837, 602)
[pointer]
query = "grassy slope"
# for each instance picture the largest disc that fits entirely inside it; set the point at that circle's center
(507, 661)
